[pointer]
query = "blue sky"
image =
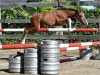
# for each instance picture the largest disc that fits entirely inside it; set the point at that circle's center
(88, 7)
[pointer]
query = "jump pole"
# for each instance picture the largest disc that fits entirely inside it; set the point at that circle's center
(79, 44)
(54, 29)
(63, 49)
(34, 45)
(11, 30)
(18, 46)
(69, 29)
(66, 59)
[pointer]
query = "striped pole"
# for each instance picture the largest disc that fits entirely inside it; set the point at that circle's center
(63, 49)
(69, 29)
(18, 46)
(66, 59)
(11, 30)
(79, 44)
(54, 29)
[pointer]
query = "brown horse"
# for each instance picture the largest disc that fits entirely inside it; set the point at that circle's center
(58, 17)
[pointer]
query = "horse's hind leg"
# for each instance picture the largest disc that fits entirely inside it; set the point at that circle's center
(24, 36)
(34, 26)
(26, 31)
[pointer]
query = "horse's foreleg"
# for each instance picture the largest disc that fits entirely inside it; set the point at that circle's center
(69, 22)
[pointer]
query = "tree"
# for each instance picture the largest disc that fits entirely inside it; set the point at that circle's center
(98, 3)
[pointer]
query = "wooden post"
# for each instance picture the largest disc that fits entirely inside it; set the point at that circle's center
(0, 26)
(58, 3)
(99, 32)
(98, 3)
(99, 24)
(59, 33)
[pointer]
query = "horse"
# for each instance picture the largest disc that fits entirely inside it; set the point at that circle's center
(58, 17)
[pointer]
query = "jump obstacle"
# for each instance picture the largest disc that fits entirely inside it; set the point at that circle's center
(48, 58)
(84, 54)
(79, 44)
(54, 29)
(20, 46)
(65, 59)
(63, 47)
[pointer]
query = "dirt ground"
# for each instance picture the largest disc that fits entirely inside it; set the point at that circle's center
(81, 67)
(78, 67)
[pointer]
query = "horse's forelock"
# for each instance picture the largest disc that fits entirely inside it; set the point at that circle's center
(79, 12)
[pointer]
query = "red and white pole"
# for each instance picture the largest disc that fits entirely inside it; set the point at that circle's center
(69, 29)
(66, 59)
(63, 49)
(18, 46)
(11, 30)
(79, 44)
(54, 29)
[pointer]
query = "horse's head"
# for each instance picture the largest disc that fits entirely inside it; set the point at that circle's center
(79, 15)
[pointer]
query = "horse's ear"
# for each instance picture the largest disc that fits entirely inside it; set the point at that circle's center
(77, 11)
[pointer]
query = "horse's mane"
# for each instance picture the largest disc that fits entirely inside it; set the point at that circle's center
(66, 9)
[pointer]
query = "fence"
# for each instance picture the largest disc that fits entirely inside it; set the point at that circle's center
(11, 3)
(6, 4)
